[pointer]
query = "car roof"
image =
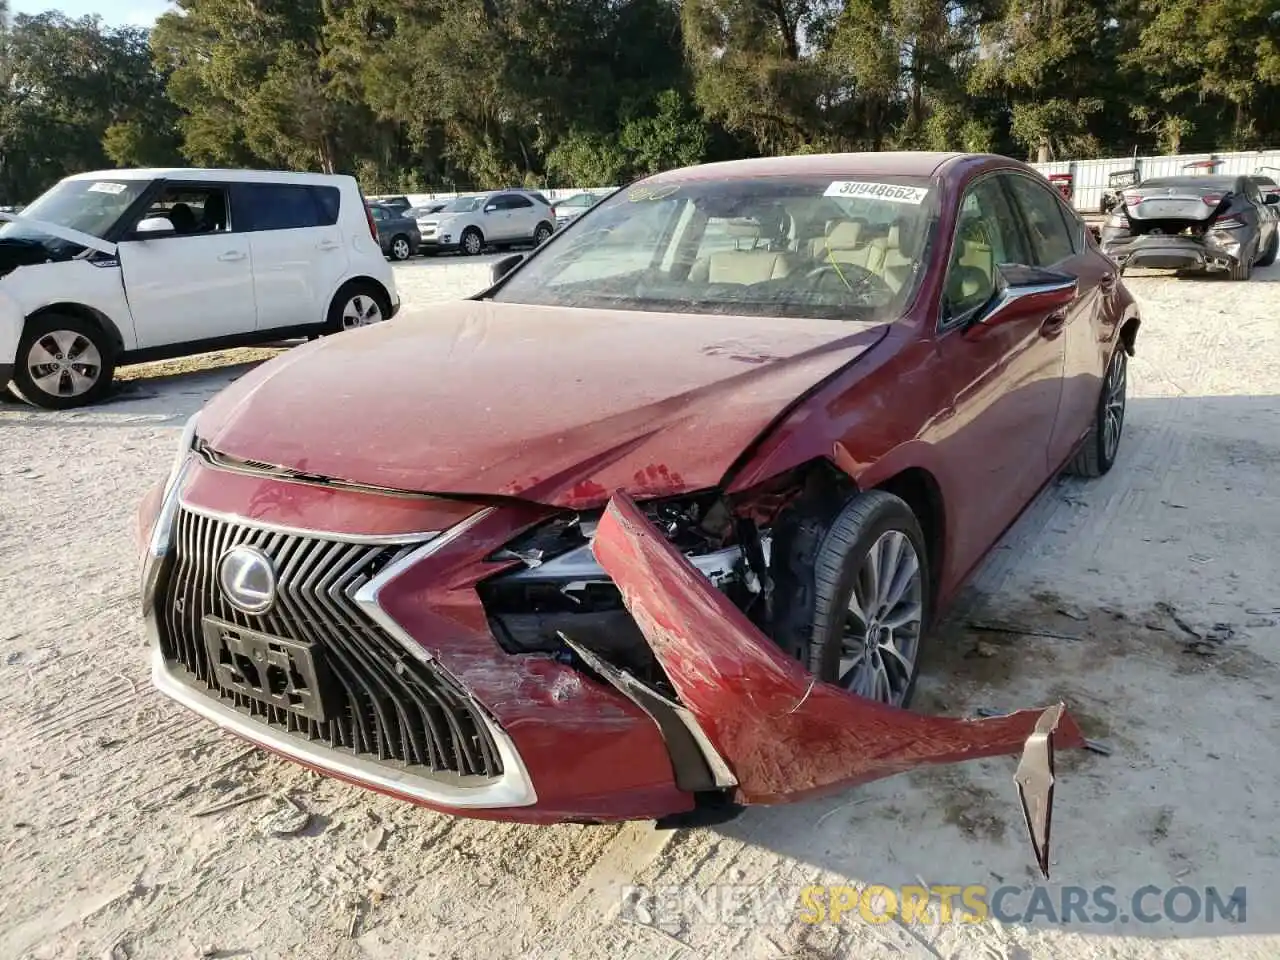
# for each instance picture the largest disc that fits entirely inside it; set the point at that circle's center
(903, 163)
(211, 173)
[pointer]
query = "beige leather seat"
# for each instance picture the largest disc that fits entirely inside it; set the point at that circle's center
(899, 255)
(749, 263)
(844, 244)
(971, 279)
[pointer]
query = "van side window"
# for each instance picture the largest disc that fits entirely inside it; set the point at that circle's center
(289, 206)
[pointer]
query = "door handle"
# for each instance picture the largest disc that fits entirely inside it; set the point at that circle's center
(329, 245)
(231, 256)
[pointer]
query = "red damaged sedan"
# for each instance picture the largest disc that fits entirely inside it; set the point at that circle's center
(658, 524)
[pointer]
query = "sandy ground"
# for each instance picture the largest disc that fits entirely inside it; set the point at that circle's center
(1148, 600)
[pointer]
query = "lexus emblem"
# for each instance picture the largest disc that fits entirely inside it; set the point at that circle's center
(248, 579)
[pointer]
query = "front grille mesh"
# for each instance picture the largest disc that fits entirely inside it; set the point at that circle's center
(388, 705)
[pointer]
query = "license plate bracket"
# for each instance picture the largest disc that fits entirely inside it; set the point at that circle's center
(282, 673)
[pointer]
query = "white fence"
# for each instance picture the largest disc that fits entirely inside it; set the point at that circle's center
(1090, 176)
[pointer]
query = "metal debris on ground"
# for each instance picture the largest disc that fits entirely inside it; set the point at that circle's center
(1100, 747)
(228, 805)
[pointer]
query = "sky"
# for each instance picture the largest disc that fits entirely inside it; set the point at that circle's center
(140, 13)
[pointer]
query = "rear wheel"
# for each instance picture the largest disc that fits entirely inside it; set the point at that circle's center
(858, 622)
(357, 305)
(1098, 453)
(542, 234)
(63, 362)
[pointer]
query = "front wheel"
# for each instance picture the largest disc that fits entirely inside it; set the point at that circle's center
(1098, 454)
(859, 621)
(400, 248)
(63, 362)
(471, 242)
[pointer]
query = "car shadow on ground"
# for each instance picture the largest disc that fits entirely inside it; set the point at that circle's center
(1161, 637)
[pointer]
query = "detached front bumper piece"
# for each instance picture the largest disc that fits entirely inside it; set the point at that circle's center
(1158, 252)
(765, 721)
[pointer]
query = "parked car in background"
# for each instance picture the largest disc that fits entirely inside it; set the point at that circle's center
(500, 219)
(569, 209)
(689, 559)
(122, 266)
(398, 233)
(395, 202)
(1213, 224)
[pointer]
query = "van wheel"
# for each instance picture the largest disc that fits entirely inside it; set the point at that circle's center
(357, 305)
(63, 362)
(471, 242)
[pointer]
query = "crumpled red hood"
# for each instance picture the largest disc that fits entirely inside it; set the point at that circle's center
(559, 406)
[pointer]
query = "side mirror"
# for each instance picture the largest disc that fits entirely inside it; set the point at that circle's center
(490, 208)
(1021, 294)
(505, 266)
(1271, 198)
(153, 227)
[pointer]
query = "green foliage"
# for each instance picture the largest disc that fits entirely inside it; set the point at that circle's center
(412, 95)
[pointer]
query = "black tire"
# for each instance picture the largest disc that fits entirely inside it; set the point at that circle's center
(471, 242)
(823, 563)
(401, 248)
(542, 233)
(1098, 455)
(1269, 255)
(79, 335)
(338, 318)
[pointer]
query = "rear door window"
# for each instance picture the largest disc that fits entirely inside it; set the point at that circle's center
(291, 206)
(1051, 238)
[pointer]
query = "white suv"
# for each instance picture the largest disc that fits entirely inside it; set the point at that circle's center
(499, 219)
(124, 266)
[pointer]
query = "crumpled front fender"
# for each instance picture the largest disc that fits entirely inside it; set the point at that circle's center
(785, 735)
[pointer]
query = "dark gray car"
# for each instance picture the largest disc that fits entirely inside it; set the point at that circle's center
(398, 233)
(1204, 223)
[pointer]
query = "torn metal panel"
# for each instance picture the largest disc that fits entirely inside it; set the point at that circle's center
(785, 735)
(63, 233)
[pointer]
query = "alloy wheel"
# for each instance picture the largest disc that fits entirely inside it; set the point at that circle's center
(541, 236)
(400, 249)
(64, 363)
(884, 622)
(360, 311)
(1114, 405)
(471, 243)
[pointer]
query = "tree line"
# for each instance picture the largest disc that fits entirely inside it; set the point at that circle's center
(415, 95)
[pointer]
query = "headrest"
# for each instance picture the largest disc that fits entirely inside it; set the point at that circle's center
(905, 235)
(844, 235)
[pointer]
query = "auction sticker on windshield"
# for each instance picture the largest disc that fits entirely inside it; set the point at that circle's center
(106, 186)
(893, 192)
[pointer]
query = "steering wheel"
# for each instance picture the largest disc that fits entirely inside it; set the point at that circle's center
(851, 276)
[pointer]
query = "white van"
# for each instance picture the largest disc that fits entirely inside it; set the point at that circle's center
(125, 266)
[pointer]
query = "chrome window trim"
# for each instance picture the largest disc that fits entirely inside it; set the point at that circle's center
(371, 539)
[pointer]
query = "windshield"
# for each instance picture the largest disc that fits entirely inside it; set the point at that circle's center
(463, 205)
(777, 246)
(577, 200)
(90, 206)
